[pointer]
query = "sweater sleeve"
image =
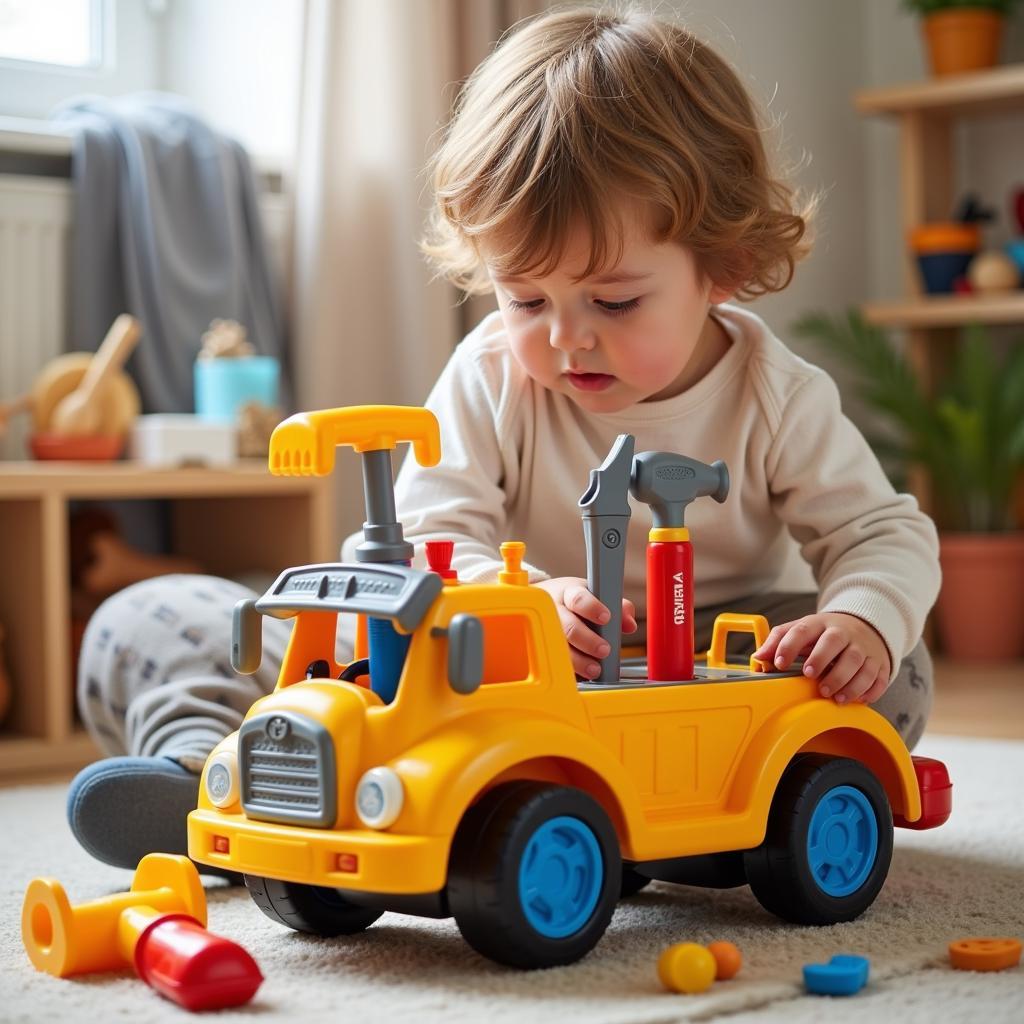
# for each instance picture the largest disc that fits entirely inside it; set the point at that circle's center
(872, 551)
(478, 401)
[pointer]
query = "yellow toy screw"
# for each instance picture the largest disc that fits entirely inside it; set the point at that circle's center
(512, 552)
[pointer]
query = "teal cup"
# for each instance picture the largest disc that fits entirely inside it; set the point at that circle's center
(223, 386)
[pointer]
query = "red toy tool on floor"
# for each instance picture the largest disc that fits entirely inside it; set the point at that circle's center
(158, 927)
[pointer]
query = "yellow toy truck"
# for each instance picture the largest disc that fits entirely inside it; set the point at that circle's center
(491, 786)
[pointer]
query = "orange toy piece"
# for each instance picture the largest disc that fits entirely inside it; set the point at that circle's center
(984, 954)
(158, 927)
(728, 959)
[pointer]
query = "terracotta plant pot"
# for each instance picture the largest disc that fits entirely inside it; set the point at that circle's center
(980, 610)
(962, 39)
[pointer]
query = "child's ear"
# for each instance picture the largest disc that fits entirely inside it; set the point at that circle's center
(720, 293)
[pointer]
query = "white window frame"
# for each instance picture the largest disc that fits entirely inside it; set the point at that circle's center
(127, 63)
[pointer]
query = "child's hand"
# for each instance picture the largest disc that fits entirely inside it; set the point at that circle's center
(846, 655)
(577, 607)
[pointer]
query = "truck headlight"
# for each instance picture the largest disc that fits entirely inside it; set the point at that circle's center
(379, 797)
(222, 779)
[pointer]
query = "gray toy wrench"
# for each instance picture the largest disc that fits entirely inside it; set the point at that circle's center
(606, 513)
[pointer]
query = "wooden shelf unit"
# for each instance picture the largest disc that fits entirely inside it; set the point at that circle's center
(994, 91)
(926, 113)
(935, 311)
(230, 520)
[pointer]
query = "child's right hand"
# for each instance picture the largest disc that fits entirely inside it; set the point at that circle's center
(577, 608)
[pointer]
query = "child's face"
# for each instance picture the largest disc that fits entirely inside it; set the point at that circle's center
(622, 336)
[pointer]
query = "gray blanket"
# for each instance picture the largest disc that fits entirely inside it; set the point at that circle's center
(166, 228)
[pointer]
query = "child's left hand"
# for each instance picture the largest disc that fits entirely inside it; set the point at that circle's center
(846, 655)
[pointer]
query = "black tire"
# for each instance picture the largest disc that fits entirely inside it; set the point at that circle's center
(780, 870)
(484, 872)
(309, 908)
(632, 882)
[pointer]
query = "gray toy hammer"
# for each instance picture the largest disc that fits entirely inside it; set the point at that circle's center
(669, 482)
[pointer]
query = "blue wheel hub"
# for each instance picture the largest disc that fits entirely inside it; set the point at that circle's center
(842, 841)
(560, 877)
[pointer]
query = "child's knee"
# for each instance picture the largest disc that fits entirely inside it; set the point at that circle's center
(137, 636)
(908, 701)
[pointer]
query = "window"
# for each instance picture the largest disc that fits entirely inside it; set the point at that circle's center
(62, 32)
(508, 644)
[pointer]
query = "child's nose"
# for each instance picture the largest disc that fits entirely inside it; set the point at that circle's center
(571, 335)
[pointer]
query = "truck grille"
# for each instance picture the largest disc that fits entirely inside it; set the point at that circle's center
(288, 771)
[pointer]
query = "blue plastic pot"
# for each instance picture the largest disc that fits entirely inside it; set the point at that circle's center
(939, 270)
(1015, 250)
(223, 386)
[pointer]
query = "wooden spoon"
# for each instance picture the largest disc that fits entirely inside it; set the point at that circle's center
(79, 413)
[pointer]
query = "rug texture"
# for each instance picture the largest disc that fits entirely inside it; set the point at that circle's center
(964, 879)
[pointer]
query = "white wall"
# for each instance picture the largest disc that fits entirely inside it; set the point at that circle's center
(803, 59)
(238, 62)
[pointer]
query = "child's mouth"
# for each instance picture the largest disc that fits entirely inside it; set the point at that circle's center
(590, 381)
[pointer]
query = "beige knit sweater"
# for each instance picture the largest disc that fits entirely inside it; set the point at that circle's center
(516, 459)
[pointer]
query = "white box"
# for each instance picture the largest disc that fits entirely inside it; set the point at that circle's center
(174, 439)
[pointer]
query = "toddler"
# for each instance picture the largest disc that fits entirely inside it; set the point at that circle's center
(605, 175)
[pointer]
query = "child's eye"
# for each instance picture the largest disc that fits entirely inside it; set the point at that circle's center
(618, 308)
(525, 306)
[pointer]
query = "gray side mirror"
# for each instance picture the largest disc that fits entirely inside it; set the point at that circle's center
(465, 653)
(246, 637)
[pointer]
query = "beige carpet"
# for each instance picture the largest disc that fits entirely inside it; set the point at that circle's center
(966, 878)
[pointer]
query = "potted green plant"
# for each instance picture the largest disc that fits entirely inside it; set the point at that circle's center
(962, 35)
(969, 438)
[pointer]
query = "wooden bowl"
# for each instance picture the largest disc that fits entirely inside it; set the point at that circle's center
(92, 447)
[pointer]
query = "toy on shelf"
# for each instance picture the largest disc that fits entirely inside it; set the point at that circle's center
(103, 562)
(158, 928)
(984, 954)
(456, 767)
(79, 413)
(82, 404)
(228, 374)
(992, 273)
(945, 250)
(1015, 247)
(841, 976)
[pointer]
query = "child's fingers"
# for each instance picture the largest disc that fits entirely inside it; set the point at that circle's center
(828, 647)
(629, 623)
(766, 652)
(584, 667)
(843, 669)
(795, 640)
(584, 604)
(861, 682)
(581, 637)
(877, 689)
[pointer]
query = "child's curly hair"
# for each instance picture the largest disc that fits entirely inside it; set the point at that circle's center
(580, 107)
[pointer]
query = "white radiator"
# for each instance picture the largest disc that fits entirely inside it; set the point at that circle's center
(35, 224)
(35, 228)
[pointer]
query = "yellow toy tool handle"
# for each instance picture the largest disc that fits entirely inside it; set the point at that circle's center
(733, 622)
(304, 444)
